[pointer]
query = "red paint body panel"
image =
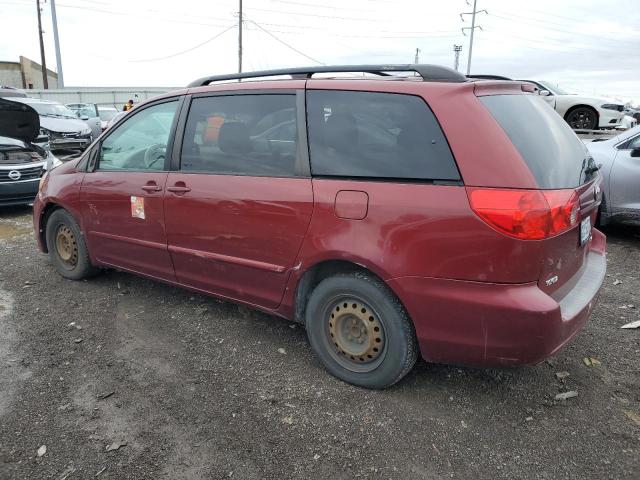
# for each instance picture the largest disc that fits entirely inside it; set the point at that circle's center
(492, 324)
(237, 236)
(404, 234)
(63, 188)
(114, 236)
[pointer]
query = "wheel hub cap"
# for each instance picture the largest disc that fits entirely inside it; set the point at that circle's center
(355, 330)
(66, 246)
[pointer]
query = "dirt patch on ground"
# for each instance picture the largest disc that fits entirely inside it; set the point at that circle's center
(197, 388)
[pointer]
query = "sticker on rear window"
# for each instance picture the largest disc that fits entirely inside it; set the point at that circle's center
(137, 207)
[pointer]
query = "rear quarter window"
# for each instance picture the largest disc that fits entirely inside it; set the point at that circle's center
(376, 135)
(554, 154)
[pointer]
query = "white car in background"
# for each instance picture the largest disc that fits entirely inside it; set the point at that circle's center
(628, 122)
(579, 111)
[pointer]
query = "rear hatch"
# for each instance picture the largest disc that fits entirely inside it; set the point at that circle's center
(562, 211)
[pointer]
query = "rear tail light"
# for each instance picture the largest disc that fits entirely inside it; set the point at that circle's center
(526, 214)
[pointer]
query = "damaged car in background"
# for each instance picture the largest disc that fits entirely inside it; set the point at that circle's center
(59, 126)
(22, 162)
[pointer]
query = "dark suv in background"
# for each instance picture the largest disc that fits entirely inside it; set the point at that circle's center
(361, 207)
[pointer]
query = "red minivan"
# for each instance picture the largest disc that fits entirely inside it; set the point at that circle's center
(393, 215)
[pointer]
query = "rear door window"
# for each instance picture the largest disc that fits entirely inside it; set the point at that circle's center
(552, 151)
(376, 135)
(255, 135)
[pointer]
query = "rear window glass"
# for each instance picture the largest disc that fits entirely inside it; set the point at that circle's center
(552, 151)
(376, 135)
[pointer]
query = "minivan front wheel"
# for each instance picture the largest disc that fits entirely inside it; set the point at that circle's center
(360, 331)
(67, 249)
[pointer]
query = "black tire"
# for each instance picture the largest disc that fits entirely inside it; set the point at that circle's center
(582, 118)
(602, 220)
(347, 317)
(67, 248)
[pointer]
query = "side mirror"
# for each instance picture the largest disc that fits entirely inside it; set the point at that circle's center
(84, 117)
(635, 152)
(544, 93)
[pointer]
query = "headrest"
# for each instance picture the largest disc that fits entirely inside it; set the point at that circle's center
(234, 138)
(340, 131)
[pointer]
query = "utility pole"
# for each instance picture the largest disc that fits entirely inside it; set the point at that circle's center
(240, 38)
(472, 28)
(456, 51)
(56, 42)
(416, 60)
(43, 61)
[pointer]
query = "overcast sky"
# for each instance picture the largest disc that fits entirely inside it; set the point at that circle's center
(589, 46)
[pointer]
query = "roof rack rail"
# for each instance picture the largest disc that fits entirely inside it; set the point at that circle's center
(489, 77)
(429, 73)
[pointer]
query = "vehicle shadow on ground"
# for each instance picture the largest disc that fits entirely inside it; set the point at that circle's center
(264, 334)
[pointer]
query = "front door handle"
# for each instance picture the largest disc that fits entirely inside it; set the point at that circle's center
(151, 188)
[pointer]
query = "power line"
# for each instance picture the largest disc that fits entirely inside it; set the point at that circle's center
(374, 34)
(521, 19)
(317, 15)
(317, 5)
(128, 14)
(184, 51)
(408, 37)
(285, 43)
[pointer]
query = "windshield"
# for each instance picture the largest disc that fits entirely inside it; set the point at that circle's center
(106, 115)
(556, 90)
(51, 109)
(552, 151)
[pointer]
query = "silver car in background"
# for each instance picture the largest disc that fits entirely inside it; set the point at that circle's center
(88, 112)
(620, 159)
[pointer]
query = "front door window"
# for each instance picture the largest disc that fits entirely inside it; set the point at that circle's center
(140, 142)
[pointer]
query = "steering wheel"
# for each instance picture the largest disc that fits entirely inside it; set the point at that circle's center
(154, 153)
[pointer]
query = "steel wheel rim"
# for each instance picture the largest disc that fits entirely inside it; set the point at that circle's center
(355, 334)
(66, 246)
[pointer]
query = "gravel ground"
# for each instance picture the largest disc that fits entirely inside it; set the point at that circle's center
(192, 387)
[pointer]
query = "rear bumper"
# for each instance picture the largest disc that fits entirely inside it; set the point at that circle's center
(18, 193)
(499, 324)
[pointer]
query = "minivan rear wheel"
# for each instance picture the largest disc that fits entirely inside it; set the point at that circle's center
(67, 249)
(360, 331)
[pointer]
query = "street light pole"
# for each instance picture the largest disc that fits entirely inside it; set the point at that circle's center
(240, 38)
(456, 51)
(56, 42)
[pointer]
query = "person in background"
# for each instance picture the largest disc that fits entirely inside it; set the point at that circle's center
(127, 106)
